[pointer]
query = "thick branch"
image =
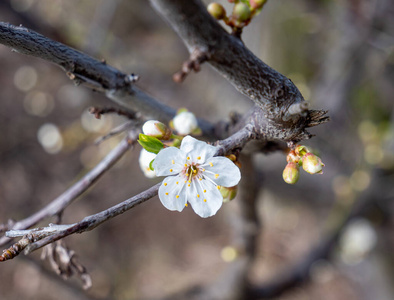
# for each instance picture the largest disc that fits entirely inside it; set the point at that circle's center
(83, 69)
(228, 55)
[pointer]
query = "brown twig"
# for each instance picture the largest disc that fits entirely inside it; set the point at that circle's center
(197, 57)
(98, 111)
(71, 194)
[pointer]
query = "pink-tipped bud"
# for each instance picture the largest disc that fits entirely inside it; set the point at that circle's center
(257, 3)
(216, 10)
(291, 173)
(312, 164)
(241, 12)
(156, 129)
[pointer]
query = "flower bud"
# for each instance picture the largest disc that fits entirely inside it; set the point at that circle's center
(185, 123)
(257, 3)
(312, 164)
(156, 129)
(241, 12)
(291, 173)
(216, 10)
(301, 150)
(228, 193)
(144, 161)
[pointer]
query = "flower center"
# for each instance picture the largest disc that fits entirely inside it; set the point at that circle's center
(191, 171)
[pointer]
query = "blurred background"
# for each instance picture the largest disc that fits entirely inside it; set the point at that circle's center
(340, 54)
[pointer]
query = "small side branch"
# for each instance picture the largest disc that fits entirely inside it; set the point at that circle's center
(92, 221)
(65, 199)
(193, 63)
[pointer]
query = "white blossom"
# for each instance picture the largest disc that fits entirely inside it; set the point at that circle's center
(185, 123)
(195, 176)
(144, 161)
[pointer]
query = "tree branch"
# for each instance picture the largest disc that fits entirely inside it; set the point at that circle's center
(85, 70)
(272, 92)
(71, 194)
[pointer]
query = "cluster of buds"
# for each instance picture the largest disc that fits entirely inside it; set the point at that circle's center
(243, 12)
(301, 156)
(155, 132)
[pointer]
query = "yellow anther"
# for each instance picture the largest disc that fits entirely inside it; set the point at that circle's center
(198, 196)
(211, 164)
(189, 181)
(199, 157)
(177, 196)
(186, 205)
(205, 191)
(171, 170)
(173, 162)
(205, 200)
(216, 175)
(203, 170)
(219, 187)
(200, 178)
(177, 182)
(166, 194)
(188, 184)
(185, 165)
(188, 158)
(195, 171)
(165, 183)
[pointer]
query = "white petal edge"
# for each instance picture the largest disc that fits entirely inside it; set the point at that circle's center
(169, 161)
(222, 171)
(212, 195)
(168, 191)
(197, 149)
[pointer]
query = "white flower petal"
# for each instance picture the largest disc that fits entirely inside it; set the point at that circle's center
(144, 161)
(169, 161)
(206, 199)
(222, 171)
(198, 151)
(172, 193)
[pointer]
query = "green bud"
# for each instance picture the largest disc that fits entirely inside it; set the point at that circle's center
(216, 10)
(301, 150)
(150, 143)
(228, 193)
(241, 12)
(312, 164)
(291, 173)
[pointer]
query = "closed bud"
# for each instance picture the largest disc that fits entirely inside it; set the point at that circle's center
(291, 173)
(257, 3)
(185, 123)
(241, 12)
(228, 194)
(156, 129)
(312, 164)
(216, 10)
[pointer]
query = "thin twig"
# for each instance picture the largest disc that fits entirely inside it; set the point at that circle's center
(71, 194)
(90, 222)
